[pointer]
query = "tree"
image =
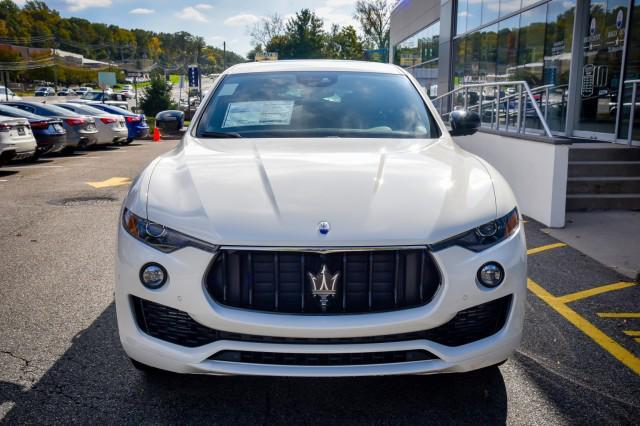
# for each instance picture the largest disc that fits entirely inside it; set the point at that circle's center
(154, 47)
(343, 44)
(304, 38)
(157, 97)
(266, 28)
(374, 17)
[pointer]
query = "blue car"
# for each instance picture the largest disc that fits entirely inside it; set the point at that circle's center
(136, 123)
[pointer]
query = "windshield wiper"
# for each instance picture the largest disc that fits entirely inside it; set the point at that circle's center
(220, 135)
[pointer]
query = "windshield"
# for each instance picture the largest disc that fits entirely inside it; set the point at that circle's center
(88, 110)
(15, 112)
(93, 96)
(53, 111)
(308, 104)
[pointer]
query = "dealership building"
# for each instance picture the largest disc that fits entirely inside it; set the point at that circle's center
(545, 77)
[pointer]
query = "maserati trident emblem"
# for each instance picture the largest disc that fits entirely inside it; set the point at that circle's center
(324, 227)
(323, 286)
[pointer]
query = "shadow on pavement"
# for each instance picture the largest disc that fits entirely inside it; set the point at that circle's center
(94, 382)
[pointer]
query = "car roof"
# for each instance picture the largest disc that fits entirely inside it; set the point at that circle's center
(314, 65)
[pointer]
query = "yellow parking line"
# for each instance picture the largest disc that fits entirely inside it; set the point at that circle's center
(567, 298)
(537, 250)
(631, 332)
(606, 342)
(619, 314)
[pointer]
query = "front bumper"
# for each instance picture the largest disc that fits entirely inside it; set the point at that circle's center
(184, 291)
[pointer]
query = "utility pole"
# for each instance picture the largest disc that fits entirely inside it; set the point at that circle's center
(6, 85)
(224, 55)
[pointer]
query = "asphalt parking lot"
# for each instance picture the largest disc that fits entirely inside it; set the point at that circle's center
(61, 361)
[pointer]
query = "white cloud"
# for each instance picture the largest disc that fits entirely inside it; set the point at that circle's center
(203, 6)
(77, 5)
(331, 16)
(241, 20)
(20, 2)
(141, 11)
(191, 14)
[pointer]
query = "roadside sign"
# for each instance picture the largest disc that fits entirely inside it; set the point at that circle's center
(194, 76)
(134, 74)
(106, 79)
(181, 83)
(266, 56)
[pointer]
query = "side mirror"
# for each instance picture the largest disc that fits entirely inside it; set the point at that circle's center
(170, 121)
(464, 123)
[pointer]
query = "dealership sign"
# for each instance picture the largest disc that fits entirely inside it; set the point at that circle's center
(266, 56)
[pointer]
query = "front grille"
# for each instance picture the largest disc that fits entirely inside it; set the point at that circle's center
(364, 358)
(178, 327)
(280, 281)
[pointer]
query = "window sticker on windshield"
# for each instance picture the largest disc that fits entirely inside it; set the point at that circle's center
(228, 89)
(259, 113)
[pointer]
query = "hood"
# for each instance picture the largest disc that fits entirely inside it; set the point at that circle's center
(274, 192)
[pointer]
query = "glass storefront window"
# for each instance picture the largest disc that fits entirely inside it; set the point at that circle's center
(557, 59)
(461, 18)
(488, 53)
(507, 52)
(419, 54)
(490, 10)
(531, 45)
(474, 14)
(632, 72)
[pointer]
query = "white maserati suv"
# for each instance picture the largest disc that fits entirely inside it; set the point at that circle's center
(317, 219)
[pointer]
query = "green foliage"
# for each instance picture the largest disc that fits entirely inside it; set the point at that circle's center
(37, 25)
(157, 97)
(303, 37)
(343, 44)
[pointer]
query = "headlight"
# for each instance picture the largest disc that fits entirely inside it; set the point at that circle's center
(484, 236)
(160, 237)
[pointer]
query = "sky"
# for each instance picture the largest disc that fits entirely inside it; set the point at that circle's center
(216, 21)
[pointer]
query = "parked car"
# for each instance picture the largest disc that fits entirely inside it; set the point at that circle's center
(49, 132)
(115, 99)
(136, 123)
(8, 95)
(80, 91)
(81, 131)
(66, 92)
(128, 93)
(111, 128)
(15, 134)
(45, 91)
(318, 219)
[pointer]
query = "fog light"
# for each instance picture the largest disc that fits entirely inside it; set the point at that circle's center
(490, 274)
(153, 276)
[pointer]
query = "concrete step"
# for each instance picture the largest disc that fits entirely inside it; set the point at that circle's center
(604, 168)
(603, 185)
(576, 202)
(604, 154)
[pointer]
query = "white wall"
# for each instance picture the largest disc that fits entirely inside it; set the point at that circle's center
(536, 171)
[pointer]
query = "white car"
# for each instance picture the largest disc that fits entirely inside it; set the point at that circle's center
(111, 128)
(317, 219)
(82, 90)
(16, 139)
(8, 95)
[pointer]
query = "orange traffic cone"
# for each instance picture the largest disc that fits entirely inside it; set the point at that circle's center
(156, 134)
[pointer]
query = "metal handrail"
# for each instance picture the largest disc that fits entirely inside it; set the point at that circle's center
(521, 85)
(632, 108)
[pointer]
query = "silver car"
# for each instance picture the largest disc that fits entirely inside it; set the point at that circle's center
(81, 130)
(111, 128)
(16, 136)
